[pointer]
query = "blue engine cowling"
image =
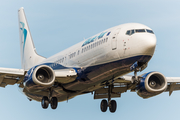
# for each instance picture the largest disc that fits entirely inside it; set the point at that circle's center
(39, 78)
(151, 84)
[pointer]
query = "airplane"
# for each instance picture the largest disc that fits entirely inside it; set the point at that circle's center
(99, 65)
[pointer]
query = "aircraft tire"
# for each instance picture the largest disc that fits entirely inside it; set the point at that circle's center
(45, 102)
(112, 106)
(104, 105)
(54, 102)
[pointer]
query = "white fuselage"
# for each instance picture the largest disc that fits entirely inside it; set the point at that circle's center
(102, 57)
(116, 46)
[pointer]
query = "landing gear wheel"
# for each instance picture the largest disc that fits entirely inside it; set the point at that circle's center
(54, 102)
(112, 106)
(104, 105)
(45, 102)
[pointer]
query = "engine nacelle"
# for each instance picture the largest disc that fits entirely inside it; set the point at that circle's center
(39, 78)
(151, 84)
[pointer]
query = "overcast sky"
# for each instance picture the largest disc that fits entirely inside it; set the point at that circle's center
(58, 24)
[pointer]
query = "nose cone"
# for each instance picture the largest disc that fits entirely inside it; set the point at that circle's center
(149, 44)
(143, 44)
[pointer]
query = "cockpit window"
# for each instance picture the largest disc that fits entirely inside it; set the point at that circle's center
(130, 32)
(140, 30)
(149, 31)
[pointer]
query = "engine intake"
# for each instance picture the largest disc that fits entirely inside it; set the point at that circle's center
(152, 83)
(155, 82)
(43, 75)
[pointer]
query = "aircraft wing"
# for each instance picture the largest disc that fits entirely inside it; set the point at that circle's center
(65, 75)
(173, 84)
(123, 83)
(10, 76)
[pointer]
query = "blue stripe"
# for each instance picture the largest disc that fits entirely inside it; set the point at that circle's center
(24, 33)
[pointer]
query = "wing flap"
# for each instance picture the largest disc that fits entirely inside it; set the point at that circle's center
(103, 92)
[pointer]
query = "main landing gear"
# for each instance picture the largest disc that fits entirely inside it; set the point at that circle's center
(110, 103)
(46, 101)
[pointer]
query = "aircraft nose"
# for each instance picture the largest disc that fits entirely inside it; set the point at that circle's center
(149, 44)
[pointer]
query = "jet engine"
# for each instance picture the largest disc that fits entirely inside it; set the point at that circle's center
(39, 78)
(151, 84)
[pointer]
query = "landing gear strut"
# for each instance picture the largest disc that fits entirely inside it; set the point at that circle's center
(111, 103)
(135, 78)
(45, 102)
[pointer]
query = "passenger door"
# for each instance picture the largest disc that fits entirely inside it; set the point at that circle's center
(114, 39)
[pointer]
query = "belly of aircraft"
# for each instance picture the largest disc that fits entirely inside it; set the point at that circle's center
(90, 78)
